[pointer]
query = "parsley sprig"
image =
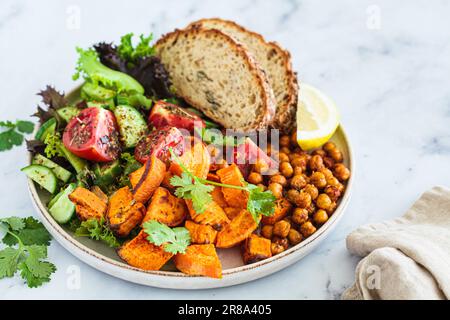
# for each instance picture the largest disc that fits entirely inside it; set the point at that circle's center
(26, 240)
(13, 133)
(189, 186)
(173, 240)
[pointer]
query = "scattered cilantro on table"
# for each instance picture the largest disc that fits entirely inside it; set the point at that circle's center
(13, 133)
(173, 240)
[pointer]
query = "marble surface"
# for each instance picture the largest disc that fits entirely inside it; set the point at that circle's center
(385, 63)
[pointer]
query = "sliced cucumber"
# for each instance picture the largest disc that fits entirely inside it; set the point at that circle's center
(55, 198)
(60, 172)
(132, 125)
(107, 173)
(77, 163)
(67, 113)
(42, 176)
(48, 127)
(93, 92)
(62, 209)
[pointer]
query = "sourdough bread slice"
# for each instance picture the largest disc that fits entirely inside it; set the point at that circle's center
(215, 74)
(273, 59)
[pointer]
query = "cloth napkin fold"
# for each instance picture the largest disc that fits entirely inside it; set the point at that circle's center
(408, 257)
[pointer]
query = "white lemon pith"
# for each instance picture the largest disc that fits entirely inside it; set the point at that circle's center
(317, 118)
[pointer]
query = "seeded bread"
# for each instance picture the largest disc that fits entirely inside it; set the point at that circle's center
(274, 60)
(217, 75)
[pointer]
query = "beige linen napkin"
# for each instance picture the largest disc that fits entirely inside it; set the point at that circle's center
(406, 258)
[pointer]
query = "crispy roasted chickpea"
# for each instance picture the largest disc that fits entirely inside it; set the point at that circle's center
(333, 192)
(312, 190)
(286, 169)
(319, 152)
(307, 229)
(281, 228)
(255, 178)
(323, 201)
(285, 150)
(276, 248)
(300, 216)
(333, 182)
(298, 171)
(276, 189)
(283, 157)
(281, 241)
(328, 162)
(311, 209)
(320, 216)
(294, 138)
(261, 186)
(327, 173)
(329, 146)
(294, 237)
(299, 181)
(316, 163)
(341, 172)
(292, 195)
(280, 179)
(300, 161)
(293, 155)
(318, 179)
(285, 141)
(260, 166)
(303, 200)
(267, 231)
(331, 209)
(336, 155)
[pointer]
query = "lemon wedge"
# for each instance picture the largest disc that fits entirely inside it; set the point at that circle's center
(317, 118)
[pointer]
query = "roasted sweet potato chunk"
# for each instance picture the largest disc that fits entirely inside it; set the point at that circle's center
(282, 209)
(218, 197)
(239, 229)
(142, 254)
(255, 249)
(87, 204)
(99, 193)
(146, 179)
(234, 197)
(213, 215)
(124, 212)
(166, 208)
(231, 212)
(201, 233)
(196, 159)
(199, 260)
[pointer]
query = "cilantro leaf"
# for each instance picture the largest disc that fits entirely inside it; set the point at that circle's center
(33, 232)
(40, 269)
(32, 280)
(9, 259)
(15, 223)
(173, 240)
(97, 230)
(13, 136)
(192, 189)
(25, 126)
(260, 202)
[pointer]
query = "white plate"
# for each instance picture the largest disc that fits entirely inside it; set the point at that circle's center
(105, 259)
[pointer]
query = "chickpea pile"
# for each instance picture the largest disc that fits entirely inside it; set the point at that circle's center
(312, 182)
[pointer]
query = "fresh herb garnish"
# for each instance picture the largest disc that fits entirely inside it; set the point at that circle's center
(14, 132)
(198, 190)
(53, 145)
(26, 240)
(173, 240)
(97, 230)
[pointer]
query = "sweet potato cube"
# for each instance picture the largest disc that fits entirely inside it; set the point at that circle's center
(218, 197)
(199, 260)
(196, 159)
(124, 212)
(166, 208)
(239, 229)
(87, 204)
(140, 253)
(282, 209)
(201, 233)
(255, 249)
(213, 215)
(146, 179)
(231, 212)
(234, 197)
(99, 193)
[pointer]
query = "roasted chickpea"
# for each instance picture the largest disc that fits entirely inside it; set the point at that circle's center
(328, 162)
(333, 193)
(285, 150)
(318, 179)
(312, 190)
(294, 138)
(281, 228)
(276, 248)
(311, 209)
(331, 209)
(298, 171)
(323, 201)
(283, 157)
(307, 229)
(299, 181)
(336, 155)
(292, 195)
(329, 146)
(316, 163)
(300, 161)
(294, 237)
(280, 179)
(267, 231)
(286, 169)
(320, 216)
(303, 200)
(341, 172)
(276, 189)
(327, 173)
(319, 152)
(293, 155)
(285, 141)
(281, 241)
(255, 178)
(260, 166)
(333, 182)
(300, 216)
(261, 187)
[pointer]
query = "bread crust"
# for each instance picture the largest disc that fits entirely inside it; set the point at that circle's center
(285, 114)
(268, 98)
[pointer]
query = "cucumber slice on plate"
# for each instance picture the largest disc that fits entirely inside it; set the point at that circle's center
(60, 172)
(106, 173)
(48, 127)
(132, 125)
(62, 209)
(77, 163)
(42, 176)
(67, 113)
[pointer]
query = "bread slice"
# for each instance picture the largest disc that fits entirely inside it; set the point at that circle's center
(217, 75)
(273, 59)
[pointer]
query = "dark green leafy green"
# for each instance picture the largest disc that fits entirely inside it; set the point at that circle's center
(97, 230)
(13, 135)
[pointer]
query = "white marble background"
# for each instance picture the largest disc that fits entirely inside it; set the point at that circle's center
(390, 80)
